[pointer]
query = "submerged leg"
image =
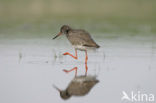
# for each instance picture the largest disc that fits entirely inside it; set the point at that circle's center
(86, 59)
(75, 57)
(67, 71)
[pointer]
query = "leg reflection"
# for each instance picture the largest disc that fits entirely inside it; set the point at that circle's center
(75, 57)
(67, 71)
(86, 67)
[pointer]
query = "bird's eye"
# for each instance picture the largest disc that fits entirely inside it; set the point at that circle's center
(67, 31)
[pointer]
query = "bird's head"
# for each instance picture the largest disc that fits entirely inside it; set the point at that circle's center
(63, 93)
(63, 30)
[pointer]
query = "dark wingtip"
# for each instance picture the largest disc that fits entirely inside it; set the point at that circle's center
(97, 46)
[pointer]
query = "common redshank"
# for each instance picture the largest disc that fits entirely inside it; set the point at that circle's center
(79, 86)
(80, 40)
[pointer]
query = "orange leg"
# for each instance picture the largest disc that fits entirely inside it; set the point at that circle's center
(75, 57)
(67, 71)
(86, 59)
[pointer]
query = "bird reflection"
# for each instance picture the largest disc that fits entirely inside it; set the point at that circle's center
(79, 86)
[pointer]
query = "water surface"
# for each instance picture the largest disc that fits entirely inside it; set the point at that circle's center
(29, 68)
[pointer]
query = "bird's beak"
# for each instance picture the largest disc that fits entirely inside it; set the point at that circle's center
(56, 88)
(57, 35)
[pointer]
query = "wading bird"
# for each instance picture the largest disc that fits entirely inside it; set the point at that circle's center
(80, 40)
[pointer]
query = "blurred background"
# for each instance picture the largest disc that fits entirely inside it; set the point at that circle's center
(31, 62)
(39, 18)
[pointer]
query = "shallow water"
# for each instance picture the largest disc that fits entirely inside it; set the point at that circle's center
(29, 68)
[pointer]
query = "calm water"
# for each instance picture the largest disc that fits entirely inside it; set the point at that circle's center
(29, 68)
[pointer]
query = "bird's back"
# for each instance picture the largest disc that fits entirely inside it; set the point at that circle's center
(81, 37)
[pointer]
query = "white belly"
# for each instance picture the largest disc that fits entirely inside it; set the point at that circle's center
(83, 48)
(80, 47)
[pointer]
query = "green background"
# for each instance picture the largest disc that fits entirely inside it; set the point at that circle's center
(40, 18)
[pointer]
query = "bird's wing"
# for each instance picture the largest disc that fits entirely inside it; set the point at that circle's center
(83, 38)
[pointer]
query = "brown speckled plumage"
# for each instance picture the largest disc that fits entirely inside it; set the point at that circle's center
(79, 38)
